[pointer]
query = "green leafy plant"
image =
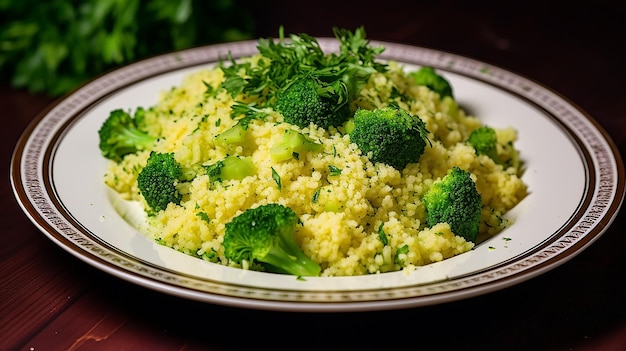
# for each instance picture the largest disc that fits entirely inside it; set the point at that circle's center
(54, 46)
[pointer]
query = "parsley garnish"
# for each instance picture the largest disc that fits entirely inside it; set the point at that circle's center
(276, 178)
(210, 90)
(382, 236)
(285, 60)
(316, 195)
(203, 216)
(334, 170)
(403, 250)
(249, 111)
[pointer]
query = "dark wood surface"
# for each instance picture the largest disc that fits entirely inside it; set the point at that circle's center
(50, 300)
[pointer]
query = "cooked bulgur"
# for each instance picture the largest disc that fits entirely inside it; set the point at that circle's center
(341, 212)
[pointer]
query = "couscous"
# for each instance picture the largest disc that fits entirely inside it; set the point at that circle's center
(341, 197)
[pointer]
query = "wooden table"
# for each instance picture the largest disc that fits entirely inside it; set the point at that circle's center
(50, 300)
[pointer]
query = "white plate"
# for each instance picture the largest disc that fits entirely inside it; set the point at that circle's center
(573, 170)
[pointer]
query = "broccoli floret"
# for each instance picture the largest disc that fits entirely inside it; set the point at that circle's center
(231, 167)
(389, 135)
(428, 77)
(293, 145)
(157, 181)
(120, 135)
(140, 118)
(234, 135)
(265, 234)
(484, 140)
(308, 100)
(455, 200)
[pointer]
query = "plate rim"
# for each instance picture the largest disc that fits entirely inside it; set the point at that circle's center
(41, 209)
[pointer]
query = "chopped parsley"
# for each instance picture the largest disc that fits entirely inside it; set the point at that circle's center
(381, 235)
(334, 170)
(276, 178)
(203, 216)
(402, 250)
(316, 196)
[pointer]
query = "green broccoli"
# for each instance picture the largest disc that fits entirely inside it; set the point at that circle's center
(293, 145)
(455, 200)
(234, 135)
(231, 167)
(389, 135)
(157, 181)
(120, 135)
(485, 141)
(140, 118)
(308, 100)
(428, 77)
(265, 234)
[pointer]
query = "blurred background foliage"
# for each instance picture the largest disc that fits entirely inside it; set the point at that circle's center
(53, 46)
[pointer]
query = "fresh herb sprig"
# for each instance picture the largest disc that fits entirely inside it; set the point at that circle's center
(285, 60)
(248, 111)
